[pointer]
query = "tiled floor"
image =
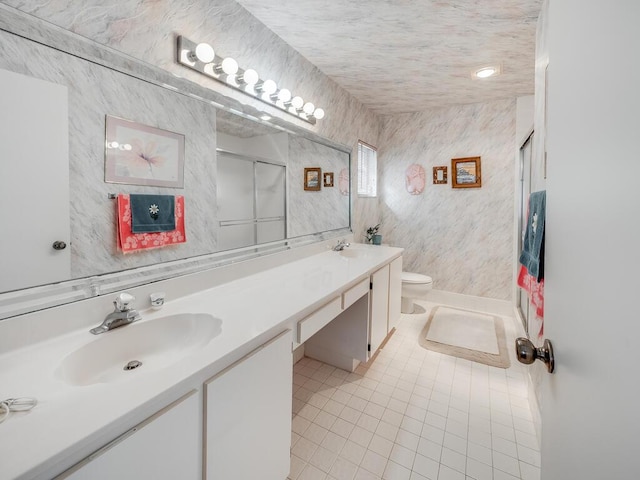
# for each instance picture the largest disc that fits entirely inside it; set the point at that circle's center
(413, 414)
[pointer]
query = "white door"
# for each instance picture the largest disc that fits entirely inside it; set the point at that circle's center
(248, 416)
(591, 404)
(34, 182)
(379, 312)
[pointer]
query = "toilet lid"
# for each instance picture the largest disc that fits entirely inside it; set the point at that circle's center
(410, 277)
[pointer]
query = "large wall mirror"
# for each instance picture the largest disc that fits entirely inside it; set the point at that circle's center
(243, 177)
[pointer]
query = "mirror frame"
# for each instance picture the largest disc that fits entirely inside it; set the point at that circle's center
(32, 299)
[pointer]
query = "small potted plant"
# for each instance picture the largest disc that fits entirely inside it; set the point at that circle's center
(373, 236)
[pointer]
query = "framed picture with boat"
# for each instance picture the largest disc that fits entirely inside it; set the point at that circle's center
(466, 172)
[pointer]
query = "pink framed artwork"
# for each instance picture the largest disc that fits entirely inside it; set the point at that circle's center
(137, 154)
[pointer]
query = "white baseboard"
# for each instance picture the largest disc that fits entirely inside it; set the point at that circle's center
(298, 353)
(470, 302)
(535, 410)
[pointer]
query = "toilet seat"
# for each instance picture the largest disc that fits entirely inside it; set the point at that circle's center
(415, 278)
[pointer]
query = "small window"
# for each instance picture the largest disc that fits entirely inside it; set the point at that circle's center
(367, 170)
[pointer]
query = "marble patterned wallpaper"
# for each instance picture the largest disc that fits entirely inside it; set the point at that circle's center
(94, 92)
(304, 214)
(147, 29)
(428, 47)
(463, 238)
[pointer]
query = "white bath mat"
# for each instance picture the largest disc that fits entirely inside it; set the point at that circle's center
(475, 336)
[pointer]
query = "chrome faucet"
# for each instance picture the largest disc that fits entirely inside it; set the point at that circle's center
(341, 246)
(123, 314)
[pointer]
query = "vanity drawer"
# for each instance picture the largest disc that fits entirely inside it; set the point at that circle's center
(318, 319)
(354, 293)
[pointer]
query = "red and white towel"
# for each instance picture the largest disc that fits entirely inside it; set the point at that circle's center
(130, 242)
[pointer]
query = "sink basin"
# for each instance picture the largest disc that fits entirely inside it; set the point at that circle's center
(355, 251)
(351, 253)
(155, 344)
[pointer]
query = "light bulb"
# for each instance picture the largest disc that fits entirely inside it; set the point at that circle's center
(250, 77)
(205, 53)
(318, 113)
(269, 87)
(229, 66)
(308, 108)
(297, 102)
(284, 95)
(485, 72)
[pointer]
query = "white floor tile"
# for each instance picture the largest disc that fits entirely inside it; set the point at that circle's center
(478, 470)
(363, 474)
(343, 469)
(395, 471)
(453, 460)
(529, 472)
(297, 465)
(323, 459)
(353, 452)
(312, 473)
(381, 446)
(426, 467)
(374, 463)
(408, 440)
(403, 456)
(361, 436)
(447, 473)
(430, 449)
(412, 414)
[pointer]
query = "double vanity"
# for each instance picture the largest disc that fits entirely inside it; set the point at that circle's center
(199, 388)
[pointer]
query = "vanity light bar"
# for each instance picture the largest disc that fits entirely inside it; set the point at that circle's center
(202, 58)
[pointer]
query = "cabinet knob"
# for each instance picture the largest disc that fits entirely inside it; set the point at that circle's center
(59, 245)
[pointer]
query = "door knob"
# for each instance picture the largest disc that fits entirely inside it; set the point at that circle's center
(527, 353)
(59, 245)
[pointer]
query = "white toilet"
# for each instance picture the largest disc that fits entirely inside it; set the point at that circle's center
(414, 285)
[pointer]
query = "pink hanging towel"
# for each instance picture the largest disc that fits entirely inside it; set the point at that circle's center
(535, 290)
(130, 242)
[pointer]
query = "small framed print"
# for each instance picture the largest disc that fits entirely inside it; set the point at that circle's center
(466, 172)
(137, 154)
(328, 179)
(312, 178)
(440, 175)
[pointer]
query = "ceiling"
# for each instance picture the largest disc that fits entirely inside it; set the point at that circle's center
(400, 56)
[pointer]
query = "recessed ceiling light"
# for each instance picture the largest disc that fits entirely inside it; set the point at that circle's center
(486, 72)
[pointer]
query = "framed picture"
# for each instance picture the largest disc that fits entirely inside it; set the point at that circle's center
(137, 154)
(312, 178)
(440, 175)
(466, 172)
(328, 179)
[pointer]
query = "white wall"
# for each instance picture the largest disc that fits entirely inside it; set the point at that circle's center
(525, 108)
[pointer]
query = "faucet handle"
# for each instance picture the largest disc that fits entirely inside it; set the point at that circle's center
(122, 302)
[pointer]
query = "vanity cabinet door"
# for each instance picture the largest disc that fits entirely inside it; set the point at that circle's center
(395, 292)
(248, 415)
(379, 310)
(166, 446)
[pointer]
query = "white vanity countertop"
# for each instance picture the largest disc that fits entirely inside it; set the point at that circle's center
(70, 422)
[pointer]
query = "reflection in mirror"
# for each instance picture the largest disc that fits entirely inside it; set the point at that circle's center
(236, 169)
(251, 172)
